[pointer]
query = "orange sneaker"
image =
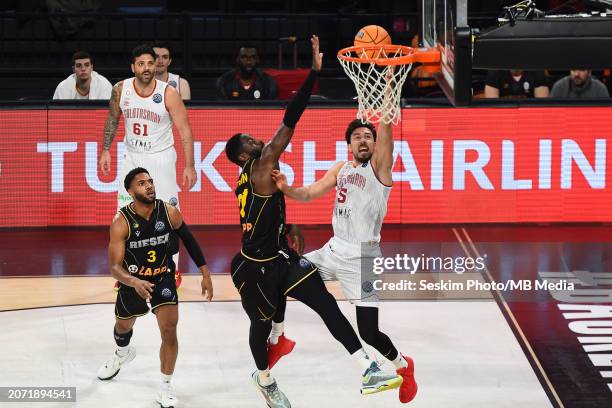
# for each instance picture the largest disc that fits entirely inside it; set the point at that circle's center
(178, 278)
(278, 350)
(409, 387)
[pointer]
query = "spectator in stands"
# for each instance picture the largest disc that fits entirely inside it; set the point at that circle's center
(247, 80)
(84, 83)
(162, 62)
(516, 83)
(579, 84)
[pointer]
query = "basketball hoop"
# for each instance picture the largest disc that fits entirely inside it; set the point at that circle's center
(379, 72)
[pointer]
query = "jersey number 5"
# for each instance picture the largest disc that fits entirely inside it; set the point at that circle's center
(138, 128)
(342, 195)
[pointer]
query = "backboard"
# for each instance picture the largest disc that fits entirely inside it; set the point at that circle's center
(444, 26)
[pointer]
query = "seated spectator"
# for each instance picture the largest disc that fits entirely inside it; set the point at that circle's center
(162, 62)
(579, 84)
(84, 83)
(247, 81)
(516, 83)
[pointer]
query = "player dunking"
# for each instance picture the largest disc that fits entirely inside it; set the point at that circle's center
(363, 186)
(266, 270)
(149, 109)
(140, 257)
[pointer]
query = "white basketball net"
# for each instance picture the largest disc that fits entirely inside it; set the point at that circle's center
(379, 97)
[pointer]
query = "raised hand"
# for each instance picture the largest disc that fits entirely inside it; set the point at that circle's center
(317, 56)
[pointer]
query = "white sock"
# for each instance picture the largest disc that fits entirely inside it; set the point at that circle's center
(362, 359)
(123, 351)
(264, 378)
(277, 330)
(400, 361)
(166, 379)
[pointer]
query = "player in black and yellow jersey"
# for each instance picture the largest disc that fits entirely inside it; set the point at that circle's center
(140, 254)
(266, 270)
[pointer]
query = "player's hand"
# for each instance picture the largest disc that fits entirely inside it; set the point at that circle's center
(105, 162)
(296, 239)
(280, 179)
(317, 56)
(207, 286)
(144, 288)
(189, 177)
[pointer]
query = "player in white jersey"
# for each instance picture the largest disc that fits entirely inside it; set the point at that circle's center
(149, 108)
(163, 61)
(362, 188)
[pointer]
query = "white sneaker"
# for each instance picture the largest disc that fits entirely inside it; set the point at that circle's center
(111, 367)
(166, 398)
(273, 395)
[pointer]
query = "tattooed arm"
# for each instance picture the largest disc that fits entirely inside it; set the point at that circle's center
(110, 127)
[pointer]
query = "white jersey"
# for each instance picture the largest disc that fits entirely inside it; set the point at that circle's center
(360, 205)
(148, 125)
(174, 81)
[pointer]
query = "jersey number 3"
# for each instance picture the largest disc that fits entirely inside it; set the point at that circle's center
(152, 256)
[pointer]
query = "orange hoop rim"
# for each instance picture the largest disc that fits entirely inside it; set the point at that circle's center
(408, 55)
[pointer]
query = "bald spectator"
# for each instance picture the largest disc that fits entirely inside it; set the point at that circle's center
(579, 84)
(247, 80)
(516, 83)
(84, 82)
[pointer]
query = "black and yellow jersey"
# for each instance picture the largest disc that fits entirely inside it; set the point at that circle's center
(149, 245)
(262, 218)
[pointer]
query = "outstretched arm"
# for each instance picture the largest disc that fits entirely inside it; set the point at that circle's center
(110, 127)
(311, 192)
(177, 111)
(382, 159)
(193, 248)
(272, 151)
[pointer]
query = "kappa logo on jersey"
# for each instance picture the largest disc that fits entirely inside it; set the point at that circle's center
(160, 226)
(173, 201)
(133, 268)
(166, 293)
(157, 98)
(172, 83)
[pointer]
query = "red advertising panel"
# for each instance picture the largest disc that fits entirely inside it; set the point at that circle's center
(452, 165)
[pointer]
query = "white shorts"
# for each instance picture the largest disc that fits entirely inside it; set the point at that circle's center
(342, 262)
(161, 167)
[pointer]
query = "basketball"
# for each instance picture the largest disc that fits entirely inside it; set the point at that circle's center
(372, 35)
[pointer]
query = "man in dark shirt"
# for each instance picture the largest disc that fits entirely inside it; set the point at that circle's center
(247, 81)
(516, 83)
(579, 84)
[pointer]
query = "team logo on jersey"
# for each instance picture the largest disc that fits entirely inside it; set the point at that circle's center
(304, 263)
(159, 226)
(257, 94)
(166, 293)
(172, 83)
(173, 201)
(133, 268)
(137, 233)
(157, 98)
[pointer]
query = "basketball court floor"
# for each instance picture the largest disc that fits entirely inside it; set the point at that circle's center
(496, 349)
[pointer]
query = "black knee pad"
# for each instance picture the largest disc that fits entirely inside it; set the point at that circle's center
(123, 339)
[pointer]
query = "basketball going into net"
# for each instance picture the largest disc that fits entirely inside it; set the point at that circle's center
(372, 35)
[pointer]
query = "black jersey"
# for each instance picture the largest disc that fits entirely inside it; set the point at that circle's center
(262, 218)
(148, 247)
